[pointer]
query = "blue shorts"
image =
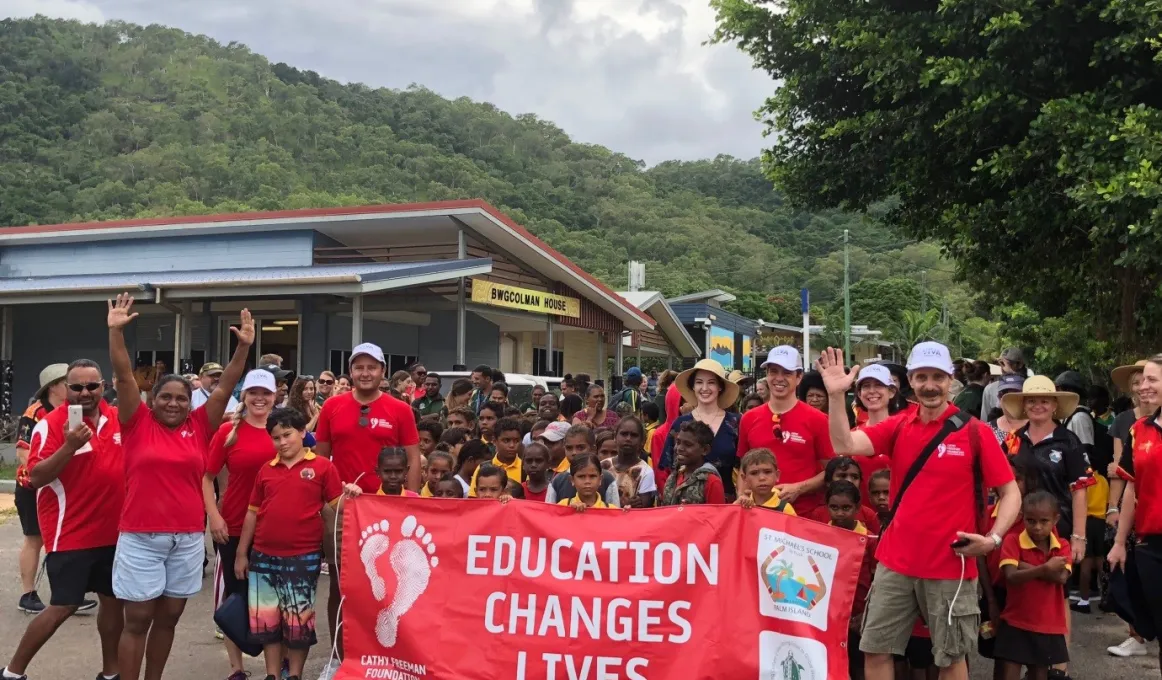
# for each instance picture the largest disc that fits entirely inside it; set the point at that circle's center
(148, 566)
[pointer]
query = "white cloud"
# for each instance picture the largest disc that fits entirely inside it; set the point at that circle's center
(632, 75)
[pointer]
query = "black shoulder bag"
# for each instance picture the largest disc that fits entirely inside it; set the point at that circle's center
(953, 423)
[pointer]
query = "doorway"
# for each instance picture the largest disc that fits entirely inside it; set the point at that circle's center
(274, 334)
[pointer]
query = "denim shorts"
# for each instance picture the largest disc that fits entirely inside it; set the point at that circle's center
(148, 566)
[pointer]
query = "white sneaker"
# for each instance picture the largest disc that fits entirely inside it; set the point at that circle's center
(1076, 598)
(1130, 647)
(332, 668)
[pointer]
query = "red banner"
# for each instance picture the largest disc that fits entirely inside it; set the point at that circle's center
(468, 589)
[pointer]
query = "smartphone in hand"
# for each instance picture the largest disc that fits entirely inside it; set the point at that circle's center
(76, 416)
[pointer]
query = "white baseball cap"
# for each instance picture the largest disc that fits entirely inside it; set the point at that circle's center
(785, 356)
(876, 372)
(367, 349)
(261, 379)
(930, 355)
(555, 432)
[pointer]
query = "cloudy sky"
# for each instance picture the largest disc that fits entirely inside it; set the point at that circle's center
(632, 75)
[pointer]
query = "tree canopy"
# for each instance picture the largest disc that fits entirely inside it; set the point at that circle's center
(1024, 137)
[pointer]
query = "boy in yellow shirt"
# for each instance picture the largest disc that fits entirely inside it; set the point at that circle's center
(761, 472)
(1096, 497)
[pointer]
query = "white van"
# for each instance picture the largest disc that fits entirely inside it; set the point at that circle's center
(520, 385)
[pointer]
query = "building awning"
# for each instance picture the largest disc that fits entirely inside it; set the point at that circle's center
(344, 280)
(654, 303)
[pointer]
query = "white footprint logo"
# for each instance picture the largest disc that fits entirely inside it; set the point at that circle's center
(412, 559)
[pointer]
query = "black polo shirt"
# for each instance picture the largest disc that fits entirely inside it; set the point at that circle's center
(1058, 464)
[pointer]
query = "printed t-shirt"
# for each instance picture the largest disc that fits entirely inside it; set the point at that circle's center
(511, 469)
(1142, 464)
(941, 500)
(866, 517)
(405, 493)
(243, 459)
(354, 448)
(80, 509)
(163, 473)
(1037, 606)
(773, 504)
(288, 500)
(35, 413)
(802, 448)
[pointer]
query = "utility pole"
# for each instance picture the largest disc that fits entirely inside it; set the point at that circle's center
(846, 297)
(924, 291)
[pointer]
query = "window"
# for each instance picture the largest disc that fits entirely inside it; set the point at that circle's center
(399, 362)
(541, 363)
(340, 358)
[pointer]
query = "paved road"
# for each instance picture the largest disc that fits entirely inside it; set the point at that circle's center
(73, 654)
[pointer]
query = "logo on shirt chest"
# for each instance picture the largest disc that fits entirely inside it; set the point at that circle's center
(793, 438)
(307, 473)
(117, 438)
(187, 433)
(1055, 456)
(951, 450)
(380, 423)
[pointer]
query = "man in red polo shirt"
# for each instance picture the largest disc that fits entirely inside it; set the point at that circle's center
(919, 572)
(81, 486)
(352, 429)
(795, 432)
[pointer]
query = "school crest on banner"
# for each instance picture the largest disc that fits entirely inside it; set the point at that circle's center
(470, 589)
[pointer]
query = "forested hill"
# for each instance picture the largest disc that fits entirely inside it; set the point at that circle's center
(119, 121)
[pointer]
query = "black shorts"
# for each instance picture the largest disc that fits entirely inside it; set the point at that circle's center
(26, 509)
(1095, 537)
(72, 573)
(1030, 649)
(1146, 588)
(225, 582)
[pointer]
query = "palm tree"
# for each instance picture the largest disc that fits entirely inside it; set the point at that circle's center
(915, 327)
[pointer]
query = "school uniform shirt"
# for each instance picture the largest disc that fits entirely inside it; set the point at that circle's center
(163, 473)
(80, 509)
(563, 466)
(802, 448)
(773, 504)
(941, 500)
(1142, 464)
(1037, 606)
(1097, 497)
(511, 469)
(243, 459)
(993, 559)
(866, 518)
(288, 500)
(354, 448)
(405, 493)
(598, 504)
(1061, 466)
(35, 413)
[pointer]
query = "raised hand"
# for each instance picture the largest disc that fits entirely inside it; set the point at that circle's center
(244, 331)
(836, 378)
(119, 316)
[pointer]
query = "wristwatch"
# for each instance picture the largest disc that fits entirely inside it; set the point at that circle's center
(997, 540)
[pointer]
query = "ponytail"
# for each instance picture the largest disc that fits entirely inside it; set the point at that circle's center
(239, 416)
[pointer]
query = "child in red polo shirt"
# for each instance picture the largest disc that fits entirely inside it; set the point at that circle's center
(992, 581)
(282, 524)
(392, 467)
(1036, 565)
(842, 503)
(879, 491)
(845, 469)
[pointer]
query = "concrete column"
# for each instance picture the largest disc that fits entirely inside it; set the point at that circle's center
(461, 308)
(187, 341)
(600, 357)
(356, 320)
(6, 315)
(179, 320)
(615, 377)
(549, 345)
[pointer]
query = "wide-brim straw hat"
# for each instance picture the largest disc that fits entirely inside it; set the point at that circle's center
(1013, 403)
(1122, 375)
(726, 398)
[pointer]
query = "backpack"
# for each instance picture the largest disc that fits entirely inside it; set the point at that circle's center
(1101, 454)
(692, 489)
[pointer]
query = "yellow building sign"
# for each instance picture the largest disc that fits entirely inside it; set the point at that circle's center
(512, 297)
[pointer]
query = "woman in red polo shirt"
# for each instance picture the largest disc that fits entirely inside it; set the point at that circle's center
(242, 446)
(158, 564)
(875, 395)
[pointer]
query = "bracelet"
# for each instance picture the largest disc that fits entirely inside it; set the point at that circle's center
(1075, 537)
(1111, 511)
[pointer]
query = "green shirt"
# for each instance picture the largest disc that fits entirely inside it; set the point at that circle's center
(429, 406)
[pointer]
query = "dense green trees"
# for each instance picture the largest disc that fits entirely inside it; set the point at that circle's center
(1023, 136)
(119, 121)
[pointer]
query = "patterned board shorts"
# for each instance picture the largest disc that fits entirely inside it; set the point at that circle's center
(282, 599)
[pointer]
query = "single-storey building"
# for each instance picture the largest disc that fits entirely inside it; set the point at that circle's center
(724, 336)
(452, 284)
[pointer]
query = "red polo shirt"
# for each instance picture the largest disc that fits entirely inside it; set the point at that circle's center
(355, 448)
(866, 516)
(802, 447)
(242, 460)
(941, 500)
(1037, 606)
(80, 508)
(163, 473)
(1142, 464)
(993, 559)
(288, 500)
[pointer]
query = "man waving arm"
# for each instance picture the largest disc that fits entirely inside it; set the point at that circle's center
(838, 381)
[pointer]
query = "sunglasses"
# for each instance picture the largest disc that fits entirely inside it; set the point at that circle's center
(325, 381)
(307, 377)
(363, 412)
(81, 387)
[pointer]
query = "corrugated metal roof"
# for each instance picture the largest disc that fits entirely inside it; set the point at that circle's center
(353, 273)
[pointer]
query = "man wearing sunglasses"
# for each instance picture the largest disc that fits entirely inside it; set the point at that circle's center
(353, 428)
(209, 376)
(81, 476)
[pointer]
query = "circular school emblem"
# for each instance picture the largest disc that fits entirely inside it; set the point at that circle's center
(307, 473)
(1055, 456)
